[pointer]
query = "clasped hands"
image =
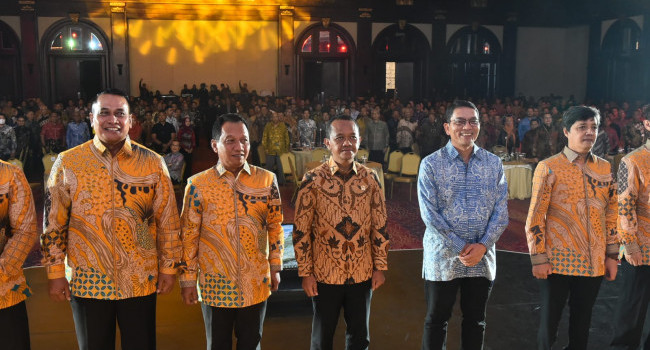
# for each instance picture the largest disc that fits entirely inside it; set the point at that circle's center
(472, 254)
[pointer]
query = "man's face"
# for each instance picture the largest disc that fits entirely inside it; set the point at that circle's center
(460, 128)
(233, 146)
(529, 112)
(175, 147)
(76, 116)
(582, 135)
(111, 119)
(548, 120)
(20, 121)
(343, 141)
(54, 118)
(534, 124)
(162, 117)
(305, 115)
(375, 115)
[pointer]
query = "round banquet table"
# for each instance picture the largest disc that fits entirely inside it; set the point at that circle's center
(302, 158)
(519, 176)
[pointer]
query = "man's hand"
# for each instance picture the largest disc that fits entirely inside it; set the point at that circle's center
(542, 271)
(59, 289)
(635, 259)
(472, 254)
(165, 283)
(190, 295)
(309, 286)
(377, 279)
(611, 267)
(275, 280)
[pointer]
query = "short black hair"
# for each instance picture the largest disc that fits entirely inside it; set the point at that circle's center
(340, 117)
(579, 113)
(110, 91)
(459, 104)
(228, 117)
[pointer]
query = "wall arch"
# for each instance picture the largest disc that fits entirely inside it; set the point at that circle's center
(10, 66)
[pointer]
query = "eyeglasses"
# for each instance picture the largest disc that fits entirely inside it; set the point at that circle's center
(460, 122)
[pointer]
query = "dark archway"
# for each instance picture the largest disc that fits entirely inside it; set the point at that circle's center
(325, 62)
(623, 61)
(474, 63)
(10, 70)
(75, 60)
(403, 52)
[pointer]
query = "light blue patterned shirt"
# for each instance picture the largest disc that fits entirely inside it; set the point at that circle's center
(461, 203)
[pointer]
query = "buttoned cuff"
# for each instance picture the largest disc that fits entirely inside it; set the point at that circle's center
(613, 249)
(276, 267)
(539, 259)
(55, 271)
(187, 280)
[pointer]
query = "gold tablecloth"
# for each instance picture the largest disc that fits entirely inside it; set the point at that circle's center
(376, 167)
(302, 158)
(520, 179)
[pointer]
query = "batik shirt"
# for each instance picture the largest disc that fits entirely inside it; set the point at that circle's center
(572, 216)
(461, 203)
(17, 233)
(634, 202)
(232, 235)
(275, 138)
(7, 141)
(114, 218)
(339, 235)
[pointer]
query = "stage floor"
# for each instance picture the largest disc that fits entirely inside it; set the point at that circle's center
(396, 319)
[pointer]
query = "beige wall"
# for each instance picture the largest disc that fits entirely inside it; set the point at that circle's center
(167, 54)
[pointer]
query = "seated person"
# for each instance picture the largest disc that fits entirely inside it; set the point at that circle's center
(175, 162)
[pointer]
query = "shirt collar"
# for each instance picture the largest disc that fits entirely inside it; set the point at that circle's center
(453, 152)
(127, 148)
(647, 143)
(335, 167)
(222, 170)
(572, 155)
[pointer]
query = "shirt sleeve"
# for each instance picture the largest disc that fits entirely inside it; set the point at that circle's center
(430, 210)
(378, 235)
(191, 218)
(167, 224)
(536, 221)
(274, 228)
(22, 222)
(302, 228)
(628, 193)
(56, 217)
(499, 218)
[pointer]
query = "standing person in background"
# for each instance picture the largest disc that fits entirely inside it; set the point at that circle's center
(463, 199)
(77, 131)
(376, 137)
(7, 139)
(17, 237)
(135, 132)
(571, 229)
(276, 141)
(162, 134)
(634, 235)
(187, 140)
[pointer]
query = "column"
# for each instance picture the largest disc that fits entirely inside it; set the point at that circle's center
(363, 76)
(438, 61)
(595, 81)
(286, 54)
(120, 77)
(29, 50)
(509, 57)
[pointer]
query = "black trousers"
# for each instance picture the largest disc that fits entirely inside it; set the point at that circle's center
(14, 327)
(376, 156)
(554, 291)
(355, 301)
(94, 321)
(441, 297)
(632, 307)
(246, 321)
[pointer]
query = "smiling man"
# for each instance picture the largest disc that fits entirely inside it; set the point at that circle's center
(462, 193)
(340, 239)
(571, 229)
(111, 217)
(232, 240)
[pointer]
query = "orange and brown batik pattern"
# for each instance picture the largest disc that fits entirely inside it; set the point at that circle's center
(114, 218)
(339, 235)
(634, 202)
(232, 235)
(572, 216)
(17, 233)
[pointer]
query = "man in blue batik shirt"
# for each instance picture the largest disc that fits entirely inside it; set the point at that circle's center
(462, 193)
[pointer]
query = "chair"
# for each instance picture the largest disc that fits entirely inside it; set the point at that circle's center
(394, 166)
(361, 153)
(288, 161)
(318, 154)
(15, 162)
(261, 153)
(386, 154)
(415, 148)
(23, 154)
(48, 163)
(408, 173)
